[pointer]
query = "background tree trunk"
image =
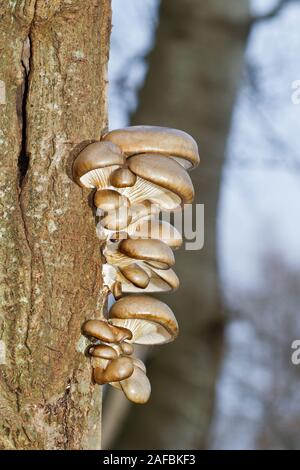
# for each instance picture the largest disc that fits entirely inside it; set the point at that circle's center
(194, 73)
(53, 65)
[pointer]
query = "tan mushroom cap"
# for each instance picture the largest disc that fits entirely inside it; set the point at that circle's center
(108, 200)
(150, 320)
(154, 139)
(96, 156)
(103, 351)
(165, 173)
(155, 252)
(127, 348)
(116, 219)
(164, 280)
(122, 178)
(117, 370)
(99, 329)
(159, 229)
(144, 210)
(117, 290)
(137, 387)
(136, 275)
(104, 331)
(137, 362)
(161, 280)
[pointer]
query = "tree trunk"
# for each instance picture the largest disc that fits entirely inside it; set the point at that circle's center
(53, 68)
(194, 73)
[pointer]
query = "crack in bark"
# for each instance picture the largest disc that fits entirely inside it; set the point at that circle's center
(23, 161)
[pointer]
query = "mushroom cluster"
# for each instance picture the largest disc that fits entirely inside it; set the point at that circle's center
(137, 172)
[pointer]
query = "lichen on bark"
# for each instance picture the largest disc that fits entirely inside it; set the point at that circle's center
(53, 64)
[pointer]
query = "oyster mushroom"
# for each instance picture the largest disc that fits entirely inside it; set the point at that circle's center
(150, 320)
(141, 265)
(117, 289)
(122, 178)
(108, 200)
(153, 228)
(154, 252)
(102, 330)
(117, 370)
(173, 143)
(95, 163)
(137, 387)
(104, 351)
(160, 180)
(136, 275)
(161, 280)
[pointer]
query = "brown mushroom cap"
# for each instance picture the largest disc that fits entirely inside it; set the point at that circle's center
(144, 210)
(137, 387)
(106, 332)
(165, 173)
(117, 219)
(161, 280)
(127, 349)
(136, 275)
(121, 334)
(108, 200)
(99, 329)
(150, 320)
(96, 156)
(103, 351)
(122, 178)
(155, 252)
(117, 370)
(154, 139)
(161, 230)
(117, 290)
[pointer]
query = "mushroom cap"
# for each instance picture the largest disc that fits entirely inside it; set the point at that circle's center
(137, 387)
(116, 219)
(137, 362)
(94, 157)
(108, 200)
(117, 289)
(144, 210)
(150, 320)
(121, 334)
(127, 349)
(99, 329)
(106, 332)
(122, 178)
(167, 276)
(104, 351)
(165, 173)
(117, 370)
(161, 280)
(155, 252)
(159, 229)
(136, 275)
(154, 139)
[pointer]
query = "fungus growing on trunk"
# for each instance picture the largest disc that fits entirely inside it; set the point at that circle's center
(137, 172)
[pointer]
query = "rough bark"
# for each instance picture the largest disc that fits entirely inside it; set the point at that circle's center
(53, 64)
(194, 72)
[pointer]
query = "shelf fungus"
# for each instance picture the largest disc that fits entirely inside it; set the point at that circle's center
(136, 173)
